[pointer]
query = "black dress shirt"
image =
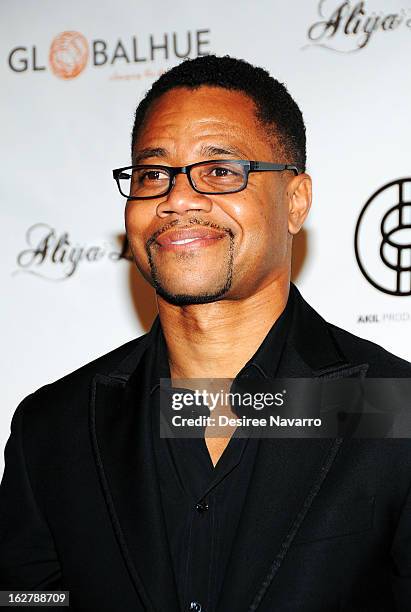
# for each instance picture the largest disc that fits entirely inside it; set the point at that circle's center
(202, 503)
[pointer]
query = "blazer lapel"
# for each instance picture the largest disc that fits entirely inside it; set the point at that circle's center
(121, 434)
(288, 473)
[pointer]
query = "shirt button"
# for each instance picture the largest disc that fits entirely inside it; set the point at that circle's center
(195, 606)
(201, 507)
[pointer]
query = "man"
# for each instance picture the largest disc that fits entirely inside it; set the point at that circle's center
(95, 502)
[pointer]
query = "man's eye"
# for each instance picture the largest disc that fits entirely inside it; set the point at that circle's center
(222, 171)
(153, 175)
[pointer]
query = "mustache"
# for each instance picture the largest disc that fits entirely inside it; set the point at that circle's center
(191, 221)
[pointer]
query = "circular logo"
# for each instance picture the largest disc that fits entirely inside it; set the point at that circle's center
(68, 54)
(383, 238)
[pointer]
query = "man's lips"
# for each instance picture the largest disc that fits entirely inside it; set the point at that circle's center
(189, 238)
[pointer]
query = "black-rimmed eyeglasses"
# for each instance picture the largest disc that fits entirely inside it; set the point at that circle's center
(215, 177)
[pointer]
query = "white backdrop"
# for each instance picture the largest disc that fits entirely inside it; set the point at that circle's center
(67, 107)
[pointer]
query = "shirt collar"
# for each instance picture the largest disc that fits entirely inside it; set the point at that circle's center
(266, 359)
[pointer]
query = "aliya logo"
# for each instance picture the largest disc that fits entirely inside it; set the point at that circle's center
(347, 27)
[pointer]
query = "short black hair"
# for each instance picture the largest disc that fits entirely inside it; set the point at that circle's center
(275, 107)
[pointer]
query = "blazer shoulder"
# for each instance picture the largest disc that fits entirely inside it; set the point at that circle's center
(381, 362)
(74, 388)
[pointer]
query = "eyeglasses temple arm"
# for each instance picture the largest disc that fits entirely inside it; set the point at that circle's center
(267, 166)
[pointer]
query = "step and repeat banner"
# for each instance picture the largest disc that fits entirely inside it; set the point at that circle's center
(72, 74)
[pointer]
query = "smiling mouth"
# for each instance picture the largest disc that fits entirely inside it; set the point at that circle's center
(189, 238)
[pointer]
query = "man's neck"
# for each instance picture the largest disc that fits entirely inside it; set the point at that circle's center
(216, 340)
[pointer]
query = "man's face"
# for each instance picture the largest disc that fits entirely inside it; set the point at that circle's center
(241, 240)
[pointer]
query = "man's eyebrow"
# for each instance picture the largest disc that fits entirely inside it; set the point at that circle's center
(209, 151)
(213, 150)
(143, 154)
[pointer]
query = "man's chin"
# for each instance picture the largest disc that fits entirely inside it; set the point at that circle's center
(191, 284)
(185, 299)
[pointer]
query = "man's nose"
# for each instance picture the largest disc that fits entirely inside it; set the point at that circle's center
(183, 198)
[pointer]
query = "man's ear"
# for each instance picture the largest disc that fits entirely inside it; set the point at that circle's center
(299, 192)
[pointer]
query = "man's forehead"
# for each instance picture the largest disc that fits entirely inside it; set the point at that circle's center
(204, 104)
(225, 117)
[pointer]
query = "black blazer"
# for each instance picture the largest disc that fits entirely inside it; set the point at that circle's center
(326, 525)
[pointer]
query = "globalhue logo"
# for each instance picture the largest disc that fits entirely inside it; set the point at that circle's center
(70, 52)
(68, 55)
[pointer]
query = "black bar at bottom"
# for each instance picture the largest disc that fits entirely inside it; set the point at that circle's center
(34, 598)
